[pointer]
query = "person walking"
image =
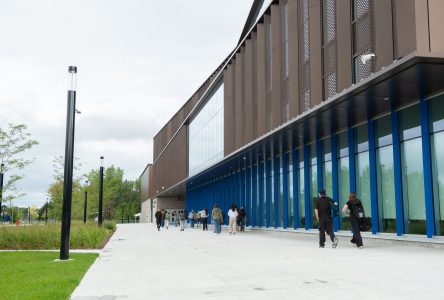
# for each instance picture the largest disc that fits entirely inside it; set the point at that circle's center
(232, 215)
(354, 205)
(216, 217)
(166, 219)
(162, 221)
(191, 218)
(324, 217)
(241, 217)
(182, 220)
(204, 218)
(158, 217)
(199, 218)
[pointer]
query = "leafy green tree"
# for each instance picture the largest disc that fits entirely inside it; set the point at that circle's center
(55, 191)
(14, 141)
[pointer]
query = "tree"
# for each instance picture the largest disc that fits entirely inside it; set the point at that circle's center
(14, 141)
(55, 190)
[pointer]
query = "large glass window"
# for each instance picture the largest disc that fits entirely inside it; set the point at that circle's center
(206, 133)
(327, 167)
(363, 168)
(301, 196)
(290, 192)
(314, 181)
(385, 175)
(343, 177)
(436, 109)
(281, 194)
(412, 171)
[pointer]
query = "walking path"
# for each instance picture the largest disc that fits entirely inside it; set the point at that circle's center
(140, 262)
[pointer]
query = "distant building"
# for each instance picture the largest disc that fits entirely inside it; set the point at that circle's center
(343, 95)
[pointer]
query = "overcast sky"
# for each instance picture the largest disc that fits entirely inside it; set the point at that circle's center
(138, 62)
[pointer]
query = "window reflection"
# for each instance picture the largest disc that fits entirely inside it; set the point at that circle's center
(206, 134)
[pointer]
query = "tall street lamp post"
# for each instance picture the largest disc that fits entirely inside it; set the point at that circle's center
(86, 203)
(1, 189)
(46, 212)
(101, 191)
(69, 156)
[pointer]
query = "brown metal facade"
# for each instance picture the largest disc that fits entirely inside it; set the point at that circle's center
(299, 54)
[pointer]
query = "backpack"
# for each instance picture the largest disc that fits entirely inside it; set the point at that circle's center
(358, 210)
(334, 208)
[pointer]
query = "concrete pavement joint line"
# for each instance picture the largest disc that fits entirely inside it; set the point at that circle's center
(172, 265)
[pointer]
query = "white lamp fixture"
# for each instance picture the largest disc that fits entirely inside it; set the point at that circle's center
(101, 161)
(366, 57)
(72, 79)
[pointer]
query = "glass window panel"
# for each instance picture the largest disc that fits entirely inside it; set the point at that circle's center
(436, 111)
(328, 178)
(409, 123)
(326, 147)
(290, 199)
(301, 197)
(313, 154)
(363, 181)
(314, 191)
(281, 201)
(342, 144)
(344, 188)
(206, 135)
(383, 132)
(361, 136)
(438, 179)
(386, 189)
(413, 186)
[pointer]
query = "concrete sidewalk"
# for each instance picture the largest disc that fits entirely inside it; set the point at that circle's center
(141, 263)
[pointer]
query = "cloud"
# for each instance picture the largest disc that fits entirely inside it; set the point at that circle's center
(138, 62)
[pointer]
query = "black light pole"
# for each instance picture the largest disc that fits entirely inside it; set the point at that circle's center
(1, 189)
(101, 191)
(69, 156)
(46, 212)
(86, 203)
(29, 214)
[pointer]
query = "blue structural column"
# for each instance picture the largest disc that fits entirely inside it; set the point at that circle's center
(319, 160)
(276, 177)
(373, 180)
(254, 196)
(351, 159)
(285, 188)
(335, 181)
(248, 194)
(260, 213)
(295, 162)
(242, 186)
(427, 166)
(307, 189)
(268, 192)
(397, 173)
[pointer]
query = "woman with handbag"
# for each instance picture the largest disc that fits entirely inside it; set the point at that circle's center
(354, 205)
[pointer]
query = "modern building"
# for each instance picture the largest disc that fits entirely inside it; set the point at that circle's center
(345, 95)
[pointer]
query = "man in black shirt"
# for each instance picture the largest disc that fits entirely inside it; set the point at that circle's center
(158, 217)
(323, 215)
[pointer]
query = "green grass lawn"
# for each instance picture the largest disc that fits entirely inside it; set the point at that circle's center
(35, 275)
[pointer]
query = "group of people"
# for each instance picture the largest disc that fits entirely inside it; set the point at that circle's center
(325, 210)
(163, 218)
(324, 213)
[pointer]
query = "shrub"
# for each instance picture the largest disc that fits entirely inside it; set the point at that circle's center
(47, 236)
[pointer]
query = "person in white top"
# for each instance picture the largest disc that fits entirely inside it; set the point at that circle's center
(204, 217)
(232, 214)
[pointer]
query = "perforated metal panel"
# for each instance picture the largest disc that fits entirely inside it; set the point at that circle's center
(304, 53)
(285, 68)
(329, 48)
(363, 39)
(269, 53)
